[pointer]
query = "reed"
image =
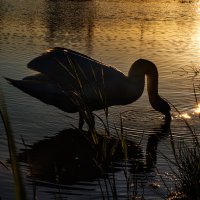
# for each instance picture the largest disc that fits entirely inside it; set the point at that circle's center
(103, 143)
(187, 159)
(20, 193)
(187, 172)
(187, 162)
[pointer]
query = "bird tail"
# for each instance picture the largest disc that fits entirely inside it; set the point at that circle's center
(17, 83)
(29, 87)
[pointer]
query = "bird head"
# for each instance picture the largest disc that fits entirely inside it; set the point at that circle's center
(162, 106)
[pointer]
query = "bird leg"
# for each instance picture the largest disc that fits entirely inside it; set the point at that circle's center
(81, 121)
(92, 121)
(89, 119)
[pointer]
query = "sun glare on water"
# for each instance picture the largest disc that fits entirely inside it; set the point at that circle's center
(197, 109)
(185, 116)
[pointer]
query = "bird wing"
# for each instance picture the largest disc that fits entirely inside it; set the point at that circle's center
(72, 70)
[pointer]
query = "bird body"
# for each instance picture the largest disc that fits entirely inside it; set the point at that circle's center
(70, 80)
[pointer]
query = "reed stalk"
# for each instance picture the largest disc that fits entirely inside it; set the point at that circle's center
(20, 193)
(187, 162)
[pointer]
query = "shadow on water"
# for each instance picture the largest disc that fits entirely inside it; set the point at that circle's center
(70, 157)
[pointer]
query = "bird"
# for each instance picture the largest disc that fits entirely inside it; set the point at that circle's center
(74, 82)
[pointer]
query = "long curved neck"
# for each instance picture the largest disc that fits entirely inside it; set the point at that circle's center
(137, 73)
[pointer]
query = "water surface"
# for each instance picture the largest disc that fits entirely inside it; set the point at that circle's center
(116, 32)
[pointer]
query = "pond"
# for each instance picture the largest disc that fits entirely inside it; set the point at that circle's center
(116, 32)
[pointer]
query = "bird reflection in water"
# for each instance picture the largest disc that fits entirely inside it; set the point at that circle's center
(70, 156)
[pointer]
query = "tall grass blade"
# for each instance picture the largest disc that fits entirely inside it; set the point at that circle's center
(20, 193)
(3, 164)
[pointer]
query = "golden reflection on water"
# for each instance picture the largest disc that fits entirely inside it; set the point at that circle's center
(198, 7)
(185, 116)
(197, 109)
(115, 32)
(188, 115)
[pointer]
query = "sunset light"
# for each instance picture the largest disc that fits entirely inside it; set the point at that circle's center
(185, 116)
(197, 109)
(100, 99)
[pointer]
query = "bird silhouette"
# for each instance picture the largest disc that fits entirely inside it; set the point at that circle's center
(74, 82)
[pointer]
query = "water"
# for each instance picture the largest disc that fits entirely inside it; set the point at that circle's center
(116, 32)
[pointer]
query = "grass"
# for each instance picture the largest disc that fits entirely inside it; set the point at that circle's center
(187, 155)
(187, 158)
(189, 170)
(187, 173)
(20, 193)
(187, 162)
